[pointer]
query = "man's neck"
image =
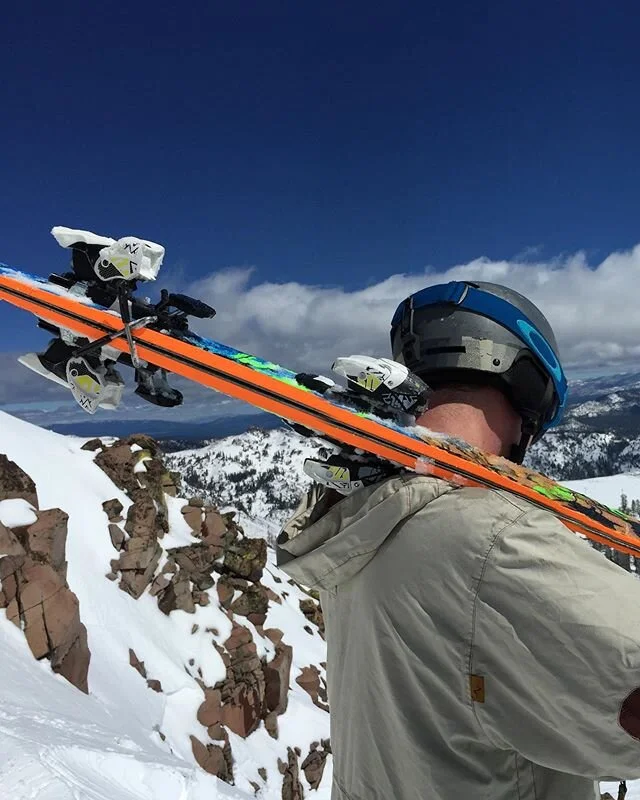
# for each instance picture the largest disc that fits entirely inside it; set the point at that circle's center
(483, 417)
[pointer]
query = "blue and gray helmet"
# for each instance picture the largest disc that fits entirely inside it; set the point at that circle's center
(484, 333)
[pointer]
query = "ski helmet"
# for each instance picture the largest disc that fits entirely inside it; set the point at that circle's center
(487, 334)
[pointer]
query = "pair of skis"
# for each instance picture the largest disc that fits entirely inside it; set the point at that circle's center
(108, 271)
(99, 323)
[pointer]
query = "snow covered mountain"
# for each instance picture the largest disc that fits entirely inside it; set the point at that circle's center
(258, 473)
(150, 649)
(600, 434)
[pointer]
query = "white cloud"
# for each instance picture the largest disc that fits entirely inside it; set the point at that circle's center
(593, 309)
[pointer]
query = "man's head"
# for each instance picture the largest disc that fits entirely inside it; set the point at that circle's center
(484, 335)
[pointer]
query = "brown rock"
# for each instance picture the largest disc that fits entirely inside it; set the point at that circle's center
(309, 680)
(239, 636)
(138, 665)
(46, 538)
(160, 582)
(40, 602)
(214, 528)
(242, 715)
(213, 759)
(312, 611)
(273, 597)
(9, 544)
(291, 786)
(216, 731)
(314, 763)
(135, 580)
(145, 442)
(15, 483)
(118, 462)
(271, 724)
(193, 517)
(274, 635)
(196, 502)
(253, 601)
(92, 444)
(35, 630)
(197, 560)
(262, 772)
(113, 510)
(246, 558)
(117, 536)
(210, 712)
(277, 675)
(138, 554)
(141, 516)
(177, 595)
(170, 483)
(73, 663)
(155, 685)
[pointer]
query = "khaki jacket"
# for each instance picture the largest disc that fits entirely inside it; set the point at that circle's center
(477, 649)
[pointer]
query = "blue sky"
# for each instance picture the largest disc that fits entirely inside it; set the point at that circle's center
(324, 147)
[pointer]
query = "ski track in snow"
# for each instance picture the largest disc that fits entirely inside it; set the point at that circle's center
(58, 744)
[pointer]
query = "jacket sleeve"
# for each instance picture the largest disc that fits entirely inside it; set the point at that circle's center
(555, 651)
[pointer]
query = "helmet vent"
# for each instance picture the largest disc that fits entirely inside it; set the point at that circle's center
(432, 351)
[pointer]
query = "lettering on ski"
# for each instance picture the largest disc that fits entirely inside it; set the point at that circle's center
(274, 389)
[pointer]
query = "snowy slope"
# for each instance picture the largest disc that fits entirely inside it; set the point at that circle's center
(60, 744)
(108, 745)
(608, 490)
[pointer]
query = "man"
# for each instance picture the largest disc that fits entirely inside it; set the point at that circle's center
(476, 647)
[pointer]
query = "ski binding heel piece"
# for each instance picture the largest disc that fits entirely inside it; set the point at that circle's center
(129, 259)
(347, 474)
(387, 383)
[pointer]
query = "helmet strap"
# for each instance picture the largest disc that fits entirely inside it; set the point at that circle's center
(530, 427)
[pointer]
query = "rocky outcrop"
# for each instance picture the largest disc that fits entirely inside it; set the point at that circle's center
(314, 764)
(15, 483)
(221, 565)
(33, 576)
(291, 786)
(314, 685)
(139, 666)
(310, 607)
(135, 466)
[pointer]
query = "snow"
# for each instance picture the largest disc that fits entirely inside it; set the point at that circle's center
(56, 742)
(608, 490)
(593, 408)
(60, 744)
(16, 513)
